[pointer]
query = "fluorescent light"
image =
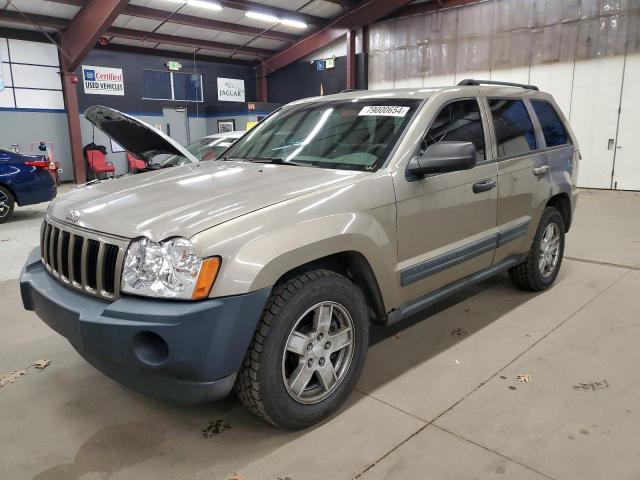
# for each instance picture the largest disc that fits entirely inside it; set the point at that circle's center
(273, 19)
(262, 16)
(293, 23)
(204, 4)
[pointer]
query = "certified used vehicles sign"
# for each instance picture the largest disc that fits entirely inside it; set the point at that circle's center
(102, 80)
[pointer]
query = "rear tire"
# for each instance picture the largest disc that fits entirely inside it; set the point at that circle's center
(308, 350)
(7, 203)
(542, 264)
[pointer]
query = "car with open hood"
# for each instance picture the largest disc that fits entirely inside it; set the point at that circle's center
(207, 148)
(262, 270)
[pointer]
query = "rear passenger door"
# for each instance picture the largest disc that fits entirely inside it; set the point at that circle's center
(447, 222)
(523, 173)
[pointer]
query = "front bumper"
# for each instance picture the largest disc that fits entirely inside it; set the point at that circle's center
(187, 352)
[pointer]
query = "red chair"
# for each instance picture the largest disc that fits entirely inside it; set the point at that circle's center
(98, 163)
(135, 163)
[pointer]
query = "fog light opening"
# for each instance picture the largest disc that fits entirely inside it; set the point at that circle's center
(150, 348)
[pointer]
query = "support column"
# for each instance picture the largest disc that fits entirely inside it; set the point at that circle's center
(262, 94)
(351, 59)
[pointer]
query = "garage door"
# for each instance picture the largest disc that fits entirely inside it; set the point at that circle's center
(626, 172)
(594, 117)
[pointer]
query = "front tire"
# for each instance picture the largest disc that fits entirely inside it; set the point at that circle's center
(7, 204)
(542, 264)
(308, 350)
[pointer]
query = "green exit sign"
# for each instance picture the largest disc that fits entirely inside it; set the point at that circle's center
(330, 62)
(173, 65)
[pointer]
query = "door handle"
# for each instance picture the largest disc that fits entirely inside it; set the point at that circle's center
(541, 170)
(484, 186)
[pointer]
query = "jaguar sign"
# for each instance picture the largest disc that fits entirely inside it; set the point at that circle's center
(230, 90)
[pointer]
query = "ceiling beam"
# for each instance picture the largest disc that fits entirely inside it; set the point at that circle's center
(29, 35)
(89, 24)
(243, 5)
(192, 21)
(188, 57)
(61, 23)
(41, 20)
(365, 14)
(186, 42)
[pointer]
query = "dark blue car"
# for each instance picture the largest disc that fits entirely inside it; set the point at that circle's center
(24, 180)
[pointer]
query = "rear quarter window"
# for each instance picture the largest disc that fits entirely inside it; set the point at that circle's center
(555, 133)
(513, 127)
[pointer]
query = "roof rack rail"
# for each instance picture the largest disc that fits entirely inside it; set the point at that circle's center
(349, 90)
(473, 82)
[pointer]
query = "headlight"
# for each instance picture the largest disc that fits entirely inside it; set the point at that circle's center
(169, 269)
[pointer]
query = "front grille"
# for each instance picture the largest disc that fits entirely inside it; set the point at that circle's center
(84, 260)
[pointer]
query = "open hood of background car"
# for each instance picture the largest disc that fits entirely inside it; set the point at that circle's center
(135, 136)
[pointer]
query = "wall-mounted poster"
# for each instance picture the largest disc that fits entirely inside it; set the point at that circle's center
(225, 126)
(230, 90)
(102, 80)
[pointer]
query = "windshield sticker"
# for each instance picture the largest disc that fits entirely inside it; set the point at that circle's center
(383, 111)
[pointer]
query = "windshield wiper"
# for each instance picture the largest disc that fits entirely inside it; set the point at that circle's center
(279, 161)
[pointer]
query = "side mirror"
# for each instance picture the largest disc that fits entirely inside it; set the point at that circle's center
(444, 157)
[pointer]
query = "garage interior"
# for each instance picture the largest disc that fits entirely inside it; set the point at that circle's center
(491, 383)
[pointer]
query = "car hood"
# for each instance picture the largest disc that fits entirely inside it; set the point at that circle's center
(186, 200)
(135, 136)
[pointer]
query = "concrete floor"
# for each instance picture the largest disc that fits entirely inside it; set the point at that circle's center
(438, 398)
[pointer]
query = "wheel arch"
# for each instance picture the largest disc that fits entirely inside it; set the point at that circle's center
(11, 191)
(562, 203)
(355, 266)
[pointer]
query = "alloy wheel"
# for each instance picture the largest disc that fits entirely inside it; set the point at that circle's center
(318, 352)
(549, 250)
(4, 204)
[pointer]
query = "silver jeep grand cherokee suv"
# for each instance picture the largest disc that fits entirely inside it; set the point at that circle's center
(261, 271)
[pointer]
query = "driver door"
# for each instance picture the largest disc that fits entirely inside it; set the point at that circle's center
(447, 222)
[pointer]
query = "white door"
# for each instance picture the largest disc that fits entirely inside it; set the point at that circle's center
(594, 117)
(626, 171)
(177, 124)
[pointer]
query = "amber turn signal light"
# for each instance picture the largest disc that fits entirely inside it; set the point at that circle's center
(206, 278)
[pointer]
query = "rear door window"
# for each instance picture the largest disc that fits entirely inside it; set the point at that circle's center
(513, 127)
(458, 121)
(555, 134)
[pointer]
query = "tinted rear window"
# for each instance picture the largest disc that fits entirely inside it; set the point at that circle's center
(554, 132)
(514, 130)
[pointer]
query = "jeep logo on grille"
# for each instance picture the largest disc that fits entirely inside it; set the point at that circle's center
(73, 216)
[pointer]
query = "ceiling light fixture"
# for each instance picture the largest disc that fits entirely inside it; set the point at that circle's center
(293, 23)
(273, 19)
(262, 16)
(200, 4)
(204, 4)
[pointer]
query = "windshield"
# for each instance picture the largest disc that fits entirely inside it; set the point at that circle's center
(204, 149)
(353, 135)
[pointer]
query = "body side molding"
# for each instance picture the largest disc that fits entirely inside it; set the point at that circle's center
(462, 254)
(414, 306)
